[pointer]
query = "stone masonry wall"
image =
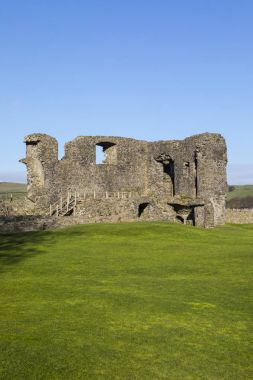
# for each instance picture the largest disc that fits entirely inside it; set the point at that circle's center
(239, 216)
(183, 180)
(11, 224)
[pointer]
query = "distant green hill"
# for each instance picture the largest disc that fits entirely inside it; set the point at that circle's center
(240, 191)
(16, 189)
(240, 196)
(12, 187)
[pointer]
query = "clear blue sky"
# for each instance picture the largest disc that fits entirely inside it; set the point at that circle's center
(149, 69)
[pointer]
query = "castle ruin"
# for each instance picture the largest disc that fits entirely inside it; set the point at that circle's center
(182, 181)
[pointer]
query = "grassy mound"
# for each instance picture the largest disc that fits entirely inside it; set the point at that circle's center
(127, 301)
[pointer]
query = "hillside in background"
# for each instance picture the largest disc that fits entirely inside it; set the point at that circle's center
(8, 188)
(240, 196)
(240, 191)
(12, 187)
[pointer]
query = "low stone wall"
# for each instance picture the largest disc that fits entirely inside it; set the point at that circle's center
(24, 223)
(239, 216)
(17, 207)
(11, 224)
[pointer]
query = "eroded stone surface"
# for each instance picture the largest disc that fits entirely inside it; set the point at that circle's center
(239, 216)
(183, 181)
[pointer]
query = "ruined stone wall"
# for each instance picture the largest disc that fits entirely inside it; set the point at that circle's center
(126, 172)
(18, 206)
(78, 170)
(180, 179)
(199, 165)
(26, 223)
(239, 216)
(103, 213)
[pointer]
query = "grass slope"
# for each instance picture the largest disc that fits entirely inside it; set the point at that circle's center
(240, 192)
(127, 301)
(11, 187)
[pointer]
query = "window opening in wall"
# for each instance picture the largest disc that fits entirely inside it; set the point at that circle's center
(31, 142)
(100, 156)
(186, 169)
(141, 208)
(106, 153)
(196, 176)
(168, 173)
(168, 170)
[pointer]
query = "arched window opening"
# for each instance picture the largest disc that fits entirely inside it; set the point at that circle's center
(106, 153)
(142, 207)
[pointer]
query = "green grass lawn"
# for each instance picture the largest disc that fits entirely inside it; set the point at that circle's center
(127, 301)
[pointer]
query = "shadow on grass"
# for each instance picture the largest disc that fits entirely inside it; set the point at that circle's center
(14, 248)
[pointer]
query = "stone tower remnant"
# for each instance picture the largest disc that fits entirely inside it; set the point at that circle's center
(183, 181)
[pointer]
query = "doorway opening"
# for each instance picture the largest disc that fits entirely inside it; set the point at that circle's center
(142, 207)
